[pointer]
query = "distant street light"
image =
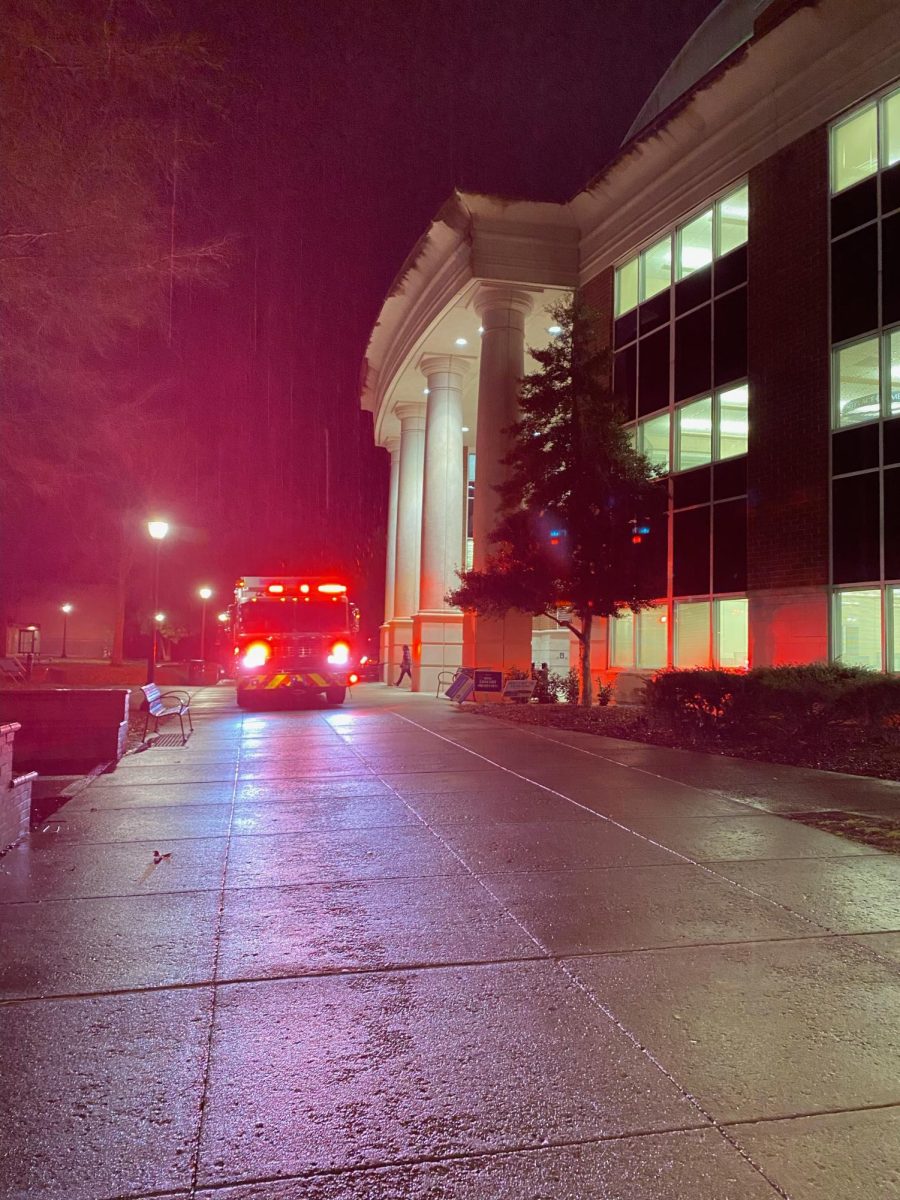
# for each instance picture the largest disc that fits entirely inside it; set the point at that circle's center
(159, 618)
(65, 609)
(223, 617)
(204, 594)
(157, 531)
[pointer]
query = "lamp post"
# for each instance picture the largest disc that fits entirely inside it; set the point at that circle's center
(204, 594)
(65, 609)
(158, 531)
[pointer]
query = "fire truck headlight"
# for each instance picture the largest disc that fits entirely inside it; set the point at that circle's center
(256, 655)
(340, 654)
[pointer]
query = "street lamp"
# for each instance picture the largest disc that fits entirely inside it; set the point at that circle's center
(204, 593)
(157, 531)
(65, 609)
(223, 617)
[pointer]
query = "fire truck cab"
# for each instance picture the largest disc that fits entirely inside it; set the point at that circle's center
(293, 634)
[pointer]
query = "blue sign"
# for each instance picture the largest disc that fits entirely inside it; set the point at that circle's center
(460, 689)
(489, 681)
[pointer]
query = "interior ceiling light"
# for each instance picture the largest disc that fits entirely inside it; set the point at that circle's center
(554, 329)
(465, 428)
(462, 342)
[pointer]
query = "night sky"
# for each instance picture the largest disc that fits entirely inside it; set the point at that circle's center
(349, 124)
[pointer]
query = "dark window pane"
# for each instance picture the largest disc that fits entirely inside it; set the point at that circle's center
(855, 528)
(653, 312)
(691, 552)
(730, 546)
(626, 328)
(854, 284)
(890, 188)
(653, 552)
(892, 525)
(890, 270)
(693, 353)
(691, 488)
(694, 290)
(731, 270)
(653, 372)
(854, 449)
(730, 338)
(854, 207)
(730, 478)
(625, 380)
(892, 441)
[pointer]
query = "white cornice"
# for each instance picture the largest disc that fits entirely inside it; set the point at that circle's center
(796, 78)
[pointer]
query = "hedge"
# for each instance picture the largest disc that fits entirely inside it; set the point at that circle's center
(798, 701)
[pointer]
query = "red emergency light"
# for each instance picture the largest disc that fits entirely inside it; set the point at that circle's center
(275, 589)
(331, 589)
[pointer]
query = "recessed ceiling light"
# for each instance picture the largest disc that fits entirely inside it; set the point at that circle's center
(465, 429)
(481, 329)
(554, 329)
(462, 341)
(426, 391)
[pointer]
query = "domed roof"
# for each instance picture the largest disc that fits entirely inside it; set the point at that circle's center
(727, 27)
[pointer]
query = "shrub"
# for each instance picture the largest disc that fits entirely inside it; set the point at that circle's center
(697, 697)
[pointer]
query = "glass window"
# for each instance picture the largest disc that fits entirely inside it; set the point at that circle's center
(694, 434)
(695, 244)
(692, 634)
(652, 651)
(857, 392)
(894, 616)
(732, 633)
(733, 421)
(891, 116)
(626, 287)
(893, 366)
(655, 440)
(656, 268)
(854, 149)
(621, 635)
(857, 620)
(732, 216)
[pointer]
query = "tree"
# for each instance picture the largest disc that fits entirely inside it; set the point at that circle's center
(582, 513)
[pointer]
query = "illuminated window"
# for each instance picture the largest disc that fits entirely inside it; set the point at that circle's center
(893, 367)
(732, 632)
(857, 628)
(653, 440)
(621, 636)
(856, 383)
(891, 114)
(733, 408)
(627, 287)
(694, 434)
(692, 631)
(695, 242)
(656, 268)
(854, 149)
(732, 220)
(652, 648)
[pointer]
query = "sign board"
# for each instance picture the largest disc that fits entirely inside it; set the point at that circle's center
(488, 681)
(460, 689)
(519, 689)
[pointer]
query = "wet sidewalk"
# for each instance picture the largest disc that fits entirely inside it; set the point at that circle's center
(398, 950)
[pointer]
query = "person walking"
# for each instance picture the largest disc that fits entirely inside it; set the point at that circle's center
(405, 667)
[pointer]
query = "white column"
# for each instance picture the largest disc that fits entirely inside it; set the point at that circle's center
(392, 445)
(444, 486)
(507, 642)
(409, 532)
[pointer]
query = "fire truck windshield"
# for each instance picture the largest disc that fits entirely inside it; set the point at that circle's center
(316, 616)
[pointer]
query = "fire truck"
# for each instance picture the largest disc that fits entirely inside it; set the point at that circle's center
(293, 635)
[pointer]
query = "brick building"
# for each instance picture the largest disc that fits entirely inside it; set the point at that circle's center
(743, 254)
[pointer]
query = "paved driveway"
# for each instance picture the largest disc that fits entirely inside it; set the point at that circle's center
(399, 950)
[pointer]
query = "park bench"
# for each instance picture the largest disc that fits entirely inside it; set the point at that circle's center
(166, 704)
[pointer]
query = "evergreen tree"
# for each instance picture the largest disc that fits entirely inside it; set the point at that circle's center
(575, 502)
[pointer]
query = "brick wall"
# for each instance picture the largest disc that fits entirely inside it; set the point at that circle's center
(789, 368)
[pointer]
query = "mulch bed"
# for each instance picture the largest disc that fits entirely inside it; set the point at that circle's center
(881, 832)
(879, 759)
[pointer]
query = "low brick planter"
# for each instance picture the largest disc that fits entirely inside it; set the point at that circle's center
(67, 730)
(15, 791)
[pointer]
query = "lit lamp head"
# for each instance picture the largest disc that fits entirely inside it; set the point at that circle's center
(204, 593)
(66, 608)
(223, 617)
(158, 529)
(159, 618)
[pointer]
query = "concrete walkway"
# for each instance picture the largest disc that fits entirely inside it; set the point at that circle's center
(395, 950)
